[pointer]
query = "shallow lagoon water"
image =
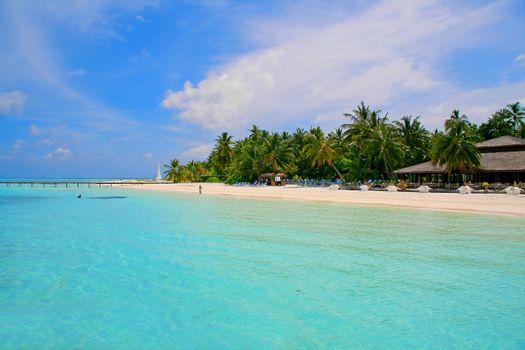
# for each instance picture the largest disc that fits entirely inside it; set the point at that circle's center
(162, 270)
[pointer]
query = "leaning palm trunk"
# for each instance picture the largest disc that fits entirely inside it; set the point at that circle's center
(336, 170)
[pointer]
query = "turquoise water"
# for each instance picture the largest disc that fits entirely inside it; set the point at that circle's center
(126, 269)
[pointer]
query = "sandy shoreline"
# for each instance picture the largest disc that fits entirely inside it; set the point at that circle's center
(492, 204)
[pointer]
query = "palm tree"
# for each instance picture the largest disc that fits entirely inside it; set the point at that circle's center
(223, 150)
(321, 150)
(517, 114)
(363, 120)
(456, 148)
(255, 133)
(171, 170)
(278, 153)
(499, 124)
(387, 147)
(415, 137)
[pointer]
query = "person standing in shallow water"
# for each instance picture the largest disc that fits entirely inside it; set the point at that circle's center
(200, 189)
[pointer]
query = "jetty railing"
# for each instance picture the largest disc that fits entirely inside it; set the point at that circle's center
(50, 183)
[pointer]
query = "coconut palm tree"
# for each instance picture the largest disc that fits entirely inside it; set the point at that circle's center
(456, 148)
(517, 114)
(386, 146)
(363, 120)
(321, 150)
(255, 133)
(171, 170)
(278, 153)
(223, 150)
(499, 124)
(415, 137)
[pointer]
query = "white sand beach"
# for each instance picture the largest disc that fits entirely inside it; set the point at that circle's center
(493, 204)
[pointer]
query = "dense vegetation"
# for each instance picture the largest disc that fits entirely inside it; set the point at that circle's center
(367, 146)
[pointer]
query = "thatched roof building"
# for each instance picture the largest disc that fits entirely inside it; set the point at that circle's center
(274, 179)
(502, 160)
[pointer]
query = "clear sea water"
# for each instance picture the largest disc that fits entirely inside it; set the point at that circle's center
(125, 269)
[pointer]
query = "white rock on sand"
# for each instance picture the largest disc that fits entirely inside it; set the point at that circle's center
(392, 188)
(512, 190)
(424, 189)
(465, 190)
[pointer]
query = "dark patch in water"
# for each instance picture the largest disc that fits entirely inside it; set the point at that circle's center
(20, 199)
(109, 197)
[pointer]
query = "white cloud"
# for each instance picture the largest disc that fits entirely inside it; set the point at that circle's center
(34, 130)
(520, 58)
(141, 56)
(148, 155)
(477, 104)
(199, 152)
(140, 18)
(61, 153)
(12, 102)
(387, 53)
(47, 142)
(96, 17)
(31, 55)
(13, 152)
(18, 145)
(172, 128)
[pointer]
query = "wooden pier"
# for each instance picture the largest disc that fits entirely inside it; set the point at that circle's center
(50, 183)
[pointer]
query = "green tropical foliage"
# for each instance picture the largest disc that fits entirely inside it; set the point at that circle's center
(506, 121)
(366, 146)
(172, 170)
(321, 150)
(456, 148)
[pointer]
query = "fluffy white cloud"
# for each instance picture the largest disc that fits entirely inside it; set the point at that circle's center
(520, 58)
(12, 102)
(199, 152)
(391, 52)
(148, 155)
(61, 153)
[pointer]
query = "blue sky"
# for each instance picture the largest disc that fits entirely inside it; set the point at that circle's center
(109, 88)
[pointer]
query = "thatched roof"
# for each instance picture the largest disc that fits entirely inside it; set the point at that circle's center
(502, 154)
(490, 162)
(271, 175)
(501, 144)
(503, 162)
(421, 168)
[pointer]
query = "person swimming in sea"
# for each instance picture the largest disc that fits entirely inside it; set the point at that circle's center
(79, 196)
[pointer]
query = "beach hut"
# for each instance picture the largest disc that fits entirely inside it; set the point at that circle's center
(274, 179)
(502, 161)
